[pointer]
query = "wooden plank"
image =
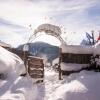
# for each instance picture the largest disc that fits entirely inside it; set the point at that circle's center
(36, 71)
(36, 76)
(36, 60)
(34, 57)
(76, 58)
(36, 66)
(35, 63)
(33, 68)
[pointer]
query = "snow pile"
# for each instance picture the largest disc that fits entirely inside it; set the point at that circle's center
(84, 87)
(70, 66)
(17, 88)
(14, 87)
(10, 63)
(77, 49)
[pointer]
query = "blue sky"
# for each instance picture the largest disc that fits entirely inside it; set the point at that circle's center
(74, 16)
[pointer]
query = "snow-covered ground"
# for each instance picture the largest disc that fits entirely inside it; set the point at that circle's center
(16, 88)
(80, 86)
(77, 86)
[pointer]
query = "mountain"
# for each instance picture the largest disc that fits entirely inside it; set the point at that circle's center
(42, 48)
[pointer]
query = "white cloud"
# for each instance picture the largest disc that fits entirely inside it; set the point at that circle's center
(72, 14)
(9, 36)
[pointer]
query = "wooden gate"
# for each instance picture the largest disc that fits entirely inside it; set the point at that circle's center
(35, 67)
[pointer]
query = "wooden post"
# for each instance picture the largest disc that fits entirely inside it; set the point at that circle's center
(25, 60)
(93, 37)
(59, 67)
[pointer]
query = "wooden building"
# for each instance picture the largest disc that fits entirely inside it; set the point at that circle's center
(74, 58)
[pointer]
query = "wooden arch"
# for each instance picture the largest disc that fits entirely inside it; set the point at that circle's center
(49, 29)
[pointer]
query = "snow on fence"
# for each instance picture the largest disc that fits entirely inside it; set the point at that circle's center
(73, 58)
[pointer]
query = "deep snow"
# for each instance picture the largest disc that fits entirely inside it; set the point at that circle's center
(78, 86)
(13, 86)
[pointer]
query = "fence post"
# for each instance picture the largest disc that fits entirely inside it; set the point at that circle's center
(59, 67)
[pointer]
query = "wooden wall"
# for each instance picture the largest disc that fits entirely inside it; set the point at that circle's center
(35, 67)
(76, 58)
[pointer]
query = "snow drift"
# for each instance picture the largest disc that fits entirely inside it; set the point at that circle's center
(14, 87)
(71, 67)
(84, 87)
(10, 63)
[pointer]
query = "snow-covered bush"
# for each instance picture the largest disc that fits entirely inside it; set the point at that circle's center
(95, 59)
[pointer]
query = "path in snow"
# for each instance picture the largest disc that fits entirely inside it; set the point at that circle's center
(51, 82)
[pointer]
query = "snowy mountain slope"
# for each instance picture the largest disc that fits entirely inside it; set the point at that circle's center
(38, 48)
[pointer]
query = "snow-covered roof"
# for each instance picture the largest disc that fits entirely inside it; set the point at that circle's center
(10, 63)
(76, 49)
(3, 44)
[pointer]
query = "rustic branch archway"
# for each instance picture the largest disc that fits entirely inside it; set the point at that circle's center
(49, 29)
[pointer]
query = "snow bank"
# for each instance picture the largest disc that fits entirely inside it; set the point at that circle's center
(76, 49)
(70, 66)
(17, 88)
(10, 63)
(84, 87)
(14, 87)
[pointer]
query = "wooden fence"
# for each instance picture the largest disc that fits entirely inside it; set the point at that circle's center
(35, 64)
(74, 59)
(35, 67)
